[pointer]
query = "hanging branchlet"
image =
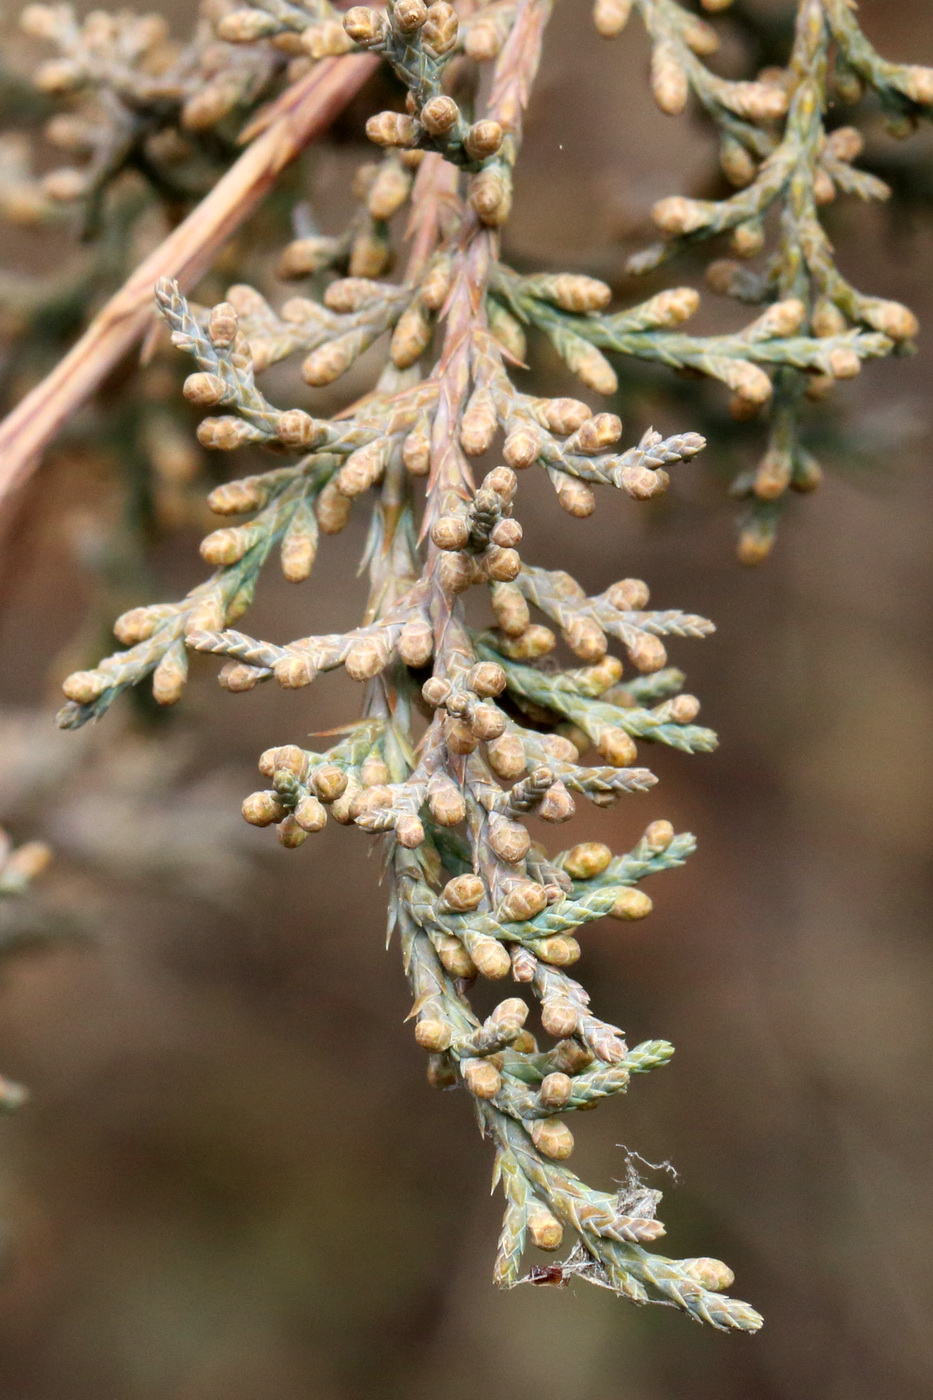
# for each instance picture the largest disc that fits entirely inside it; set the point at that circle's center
(481, 728)
(506, 740)
(778, 149)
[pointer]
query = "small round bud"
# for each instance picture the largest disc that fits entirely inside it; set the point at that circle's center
(918, 85)
(436, 691)
(507, 534)
(451, 532)
(310, 814)
(556, 805)
(491, 200)
(891, 318)
(587, 860)
(481, 1078)
(658, 836)
(559, 1018)
(648, 652)
(506, 756)
(674, 306)
(555, 1090)
(84, 687)
(677, 214)
(844, 364)
(503, 565)
(287, 759)
(510, 1014)
(223, 434)
(433, 1035)
(571, 1057)
(631, 904)
(629, 595)
(292, 672)
(372, 799)
(585, 638)
(364, 26)
(391, 129)
(503, 481)
(544, 1229)
(483, 40)
(510, 609)
(525, 899)
(617, 747)
(409, 831)
(521, 448)
(596, 434)
(416, 642)
(508, 839)
(574, 496)
(487, 678)
(332, 510)
(295, 428)
(446, 803)
(204, 389)
(222, 324)
(40, 21)
(564, 416)
(58, 75)
(263, 808)
(560, 950)
(684, 709)
(367, 657)
(375, 771)
(439, 31)
(463, 893)
(573, 292)
(455, 958)
(411, 336)
(409, 15)
(552, 1138)
(290, 833)
(483, 139)
(440, 115)
(329, 782)
(226, 546)
(535, 641)
(301, 258)
(711, 1273)
(456, 571)
(748, 239)
(436, 283)
(487, 722)
(611, 17)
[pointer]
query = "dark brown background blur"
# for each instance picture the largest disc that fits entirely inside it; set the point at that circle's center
(232, 1182)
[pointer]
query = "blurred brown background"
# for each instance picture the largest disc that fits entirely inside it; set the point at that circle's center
(232, 1181)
